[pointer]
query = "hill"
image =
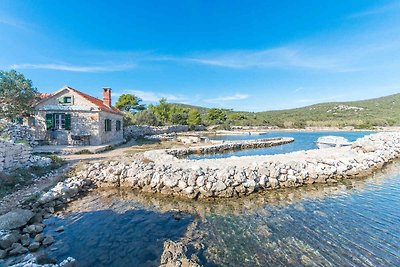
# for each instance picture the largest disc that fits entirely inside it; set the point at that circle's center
(382, 111)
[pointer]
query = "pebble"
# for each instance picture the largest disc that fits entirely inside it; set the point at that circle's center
(39, 237)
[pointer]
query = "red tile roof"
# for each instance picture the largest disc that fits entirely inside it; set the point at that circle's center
(43, 95)
(98, 102)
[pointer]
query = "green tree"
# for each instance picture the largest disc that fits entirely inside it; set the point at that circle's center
(17, 95)
(194, 117)
(177, 115)
(216, 116)
(161, 110)
(146, 117)
(129, 103)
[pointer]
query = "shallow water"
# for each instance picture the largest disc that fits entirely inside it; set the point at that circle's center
(302, 141)
(352, 223)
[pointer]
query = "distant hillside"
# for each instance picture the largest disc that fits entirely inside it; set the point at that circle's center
(383, 111)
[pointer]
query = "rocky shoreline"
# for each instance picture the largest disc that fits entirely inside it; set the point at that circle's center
(164, 173)
(160, 172)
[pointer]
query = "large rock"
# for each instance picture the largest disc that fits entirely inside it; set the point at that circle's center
(8, 239)
(15, 219)
(18, 249)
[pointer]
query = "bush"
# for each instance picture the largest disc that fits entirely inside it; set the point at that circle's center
(146, 117)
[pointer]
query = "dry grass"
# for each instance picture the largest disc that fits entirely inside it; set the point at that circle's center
(145, 145)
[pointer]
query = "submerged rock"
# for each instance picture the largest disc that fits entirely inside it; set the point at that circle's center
(48, 241)
(174, 254)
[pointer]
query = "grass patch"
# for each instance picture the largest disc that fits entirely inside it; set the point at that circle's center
(144, 145)
(9, 182)
(83, 152)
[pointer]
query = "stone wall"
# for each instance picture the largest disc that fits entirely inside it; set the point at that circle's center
(135, 131)
(229, 146)
(160, 172)
(16, 132)
(13, 156)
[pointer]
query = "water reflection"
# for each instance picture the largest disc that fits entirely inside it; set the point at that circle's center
(352, 223)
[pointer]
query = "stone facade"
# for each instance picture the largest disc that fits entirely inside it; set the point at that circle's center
(68, 115)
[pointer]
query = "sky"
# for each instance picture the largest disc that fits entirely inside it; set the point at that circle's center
(243, 55)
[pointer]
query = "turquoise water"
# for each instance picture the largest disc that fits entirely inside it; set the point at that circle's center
(303, 141)
(352, 223)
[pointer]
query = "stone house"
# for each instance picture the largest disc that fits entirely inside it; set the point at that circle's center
(69, 116)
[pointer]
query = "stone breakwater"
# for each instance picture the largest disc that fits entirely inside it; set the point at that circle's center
(13, 156)
(160, 172)
(228, 146)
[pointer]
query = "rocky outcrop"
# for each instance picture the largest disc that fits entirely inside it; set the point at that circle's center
(174, 254)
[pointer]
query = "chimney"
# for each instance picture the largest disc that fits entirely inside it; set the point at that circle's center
(107, 96)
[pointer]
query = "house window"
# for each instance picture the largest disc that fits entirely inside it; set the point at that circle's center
(59, 121)
(67, 99)
(107, 125)
(118, 125)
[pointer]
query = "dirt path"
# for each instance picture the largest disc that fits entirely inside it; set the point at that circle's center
(17, 198)
(29, 192)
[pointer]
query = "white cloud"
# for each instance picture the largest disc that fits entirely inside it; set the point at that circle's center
(227, 98)
(152, 96)
(281, 57)
(74, 68)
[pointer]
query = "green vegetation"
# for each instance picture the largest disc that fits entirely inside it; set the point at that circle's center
(16, 95)
(365, 114)
(164, 113)
(129, 103)
(194, 117)
(23, 177)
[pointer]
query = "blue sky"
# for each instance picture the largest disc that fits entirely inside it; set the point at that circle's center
(245, 55)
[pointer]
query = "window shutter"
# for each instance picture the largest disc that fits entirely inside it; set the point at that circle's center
(49, 121)
(67, 121)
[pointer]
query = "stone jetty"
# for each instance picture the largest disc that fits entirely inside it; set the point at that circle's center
(228, 146)
(160, 171)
